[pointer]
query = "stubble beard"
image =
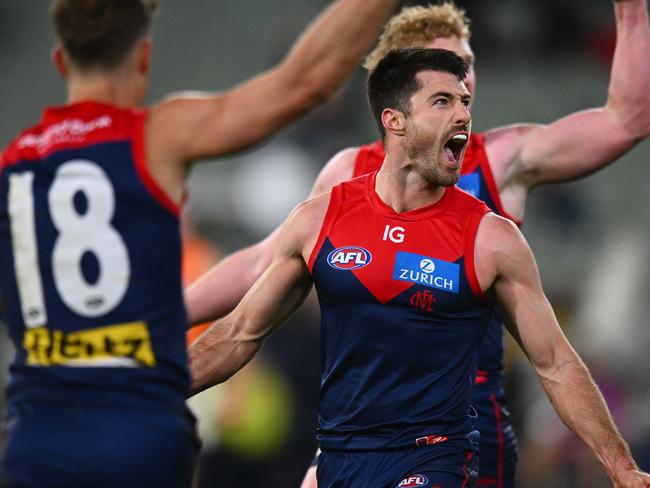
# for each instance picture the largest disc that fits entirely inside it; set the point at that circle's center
(428, 164)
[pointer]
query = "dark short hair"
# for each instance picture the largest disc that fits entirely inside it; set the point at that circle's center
(392, 82)
(99, 34)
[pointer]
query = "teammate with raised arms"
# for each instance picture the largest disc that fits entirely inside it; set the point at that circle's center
(90, 245)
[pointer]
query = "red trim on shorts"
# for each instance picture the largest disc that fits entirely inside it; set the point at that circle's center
(470, 240)
(497, 414)
(330, 215)
(467, 460)
(139, 156)
(481, 377)
(486, 482)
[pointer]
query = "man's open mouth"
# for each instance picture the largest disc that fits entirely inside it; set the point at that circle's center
(455, 145)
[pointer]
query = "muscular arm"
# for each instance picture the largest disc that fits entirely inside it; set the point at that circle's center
(233, 341)
(219, 290)
(583, 142)
(505, 260)
(321, 59)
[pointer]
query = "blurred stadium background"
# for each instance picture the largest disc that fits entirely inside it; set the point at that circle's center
(537, 60)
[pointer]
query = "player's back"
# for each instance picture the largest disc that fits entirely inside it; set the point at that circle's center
(401, 319)
(90, 259)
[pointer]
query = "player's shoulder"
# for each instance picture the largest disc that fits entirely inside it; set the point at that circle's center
(310, 212)
(12, 153)
(499, 236)
(338, 169)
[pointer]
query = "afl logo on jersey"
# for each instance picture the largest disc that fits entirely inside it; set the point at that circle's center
(413, 480)
(349, 257)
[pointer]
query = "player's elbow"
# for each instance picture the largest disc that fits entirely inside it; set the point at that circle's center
(555, 365)
(313, 92)
(263, 254)
(632, 120)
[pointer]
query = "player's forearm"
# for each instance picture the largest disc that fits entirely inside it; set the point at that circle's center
(219, 353)
(219, 290)
(628, 96)
(581, 407)
(332, 46)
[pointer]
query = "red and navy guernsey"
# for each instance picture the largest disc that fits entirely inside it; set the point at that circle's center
(477, 180)
(90, 253)
(402, 317)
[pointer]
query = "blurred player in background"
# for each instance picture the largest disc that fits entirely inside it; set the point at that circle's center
(397, 376)
(90, 243)
(501, 166)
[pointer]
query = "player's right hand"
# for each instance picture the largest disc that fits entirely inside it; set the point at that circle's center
(632, 478)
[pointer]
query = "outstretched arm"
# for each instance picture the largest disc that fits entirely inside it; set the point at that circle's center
(505, 260)
(219, 290)
(322, 58)
(584, 142)
(233, 341)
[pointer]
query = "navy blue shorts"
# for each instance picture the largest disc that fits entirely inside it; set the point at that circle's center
(99, 446)
(498, 443)
(421, 467)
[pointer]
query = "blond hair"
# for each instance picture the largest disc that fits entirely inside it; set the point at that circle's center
(415, 26)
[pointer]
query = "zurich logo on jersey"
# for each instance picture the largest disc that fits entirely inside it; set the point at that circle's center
(427, 271)
(413, 480)
(349, 257)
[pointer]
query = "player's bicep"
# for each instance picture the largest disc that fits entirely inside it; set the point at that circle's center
(527, 312)
(280, 289)
(216, 124)
(285, 283)
(274, 297)
(572, 147)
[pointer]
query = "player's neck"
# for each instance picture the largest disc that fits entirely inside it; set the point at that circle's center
(111, 89)
(403, 189)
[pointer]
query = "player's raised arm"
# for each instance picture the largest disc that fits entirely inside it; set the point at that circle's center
(233, 341)
(505, 260)
(315, 67)
(221, 288)
(584, 142)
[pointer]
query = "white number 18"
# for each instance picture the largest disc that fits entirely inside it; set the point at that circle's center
(79, 233)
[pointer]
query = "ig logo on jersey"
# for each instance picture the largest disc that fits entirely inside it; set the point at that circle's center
(413, 481)
(349, 257)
